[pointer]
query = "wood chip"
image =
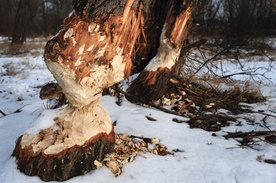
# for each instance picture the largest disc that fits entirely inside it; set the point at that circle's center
(127, 148)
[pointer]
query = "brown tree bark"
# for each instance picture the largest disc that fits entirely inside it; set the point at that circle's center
(93, 50)
(152, 82)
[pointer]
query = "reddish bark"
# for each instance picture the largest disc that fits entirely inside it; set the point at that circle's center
(74, 161)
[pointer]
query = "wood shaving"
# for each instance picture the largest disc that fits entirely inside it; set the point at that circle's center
(127, 148)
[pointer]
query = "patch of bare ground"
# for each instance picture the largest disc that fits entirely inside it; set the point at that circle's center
(30, 47)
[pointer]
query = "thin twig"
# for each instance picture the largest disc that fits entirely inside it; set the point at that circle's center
(270, 59)
(2, 113)
(270, 115)
(264, 122)
(238, 73)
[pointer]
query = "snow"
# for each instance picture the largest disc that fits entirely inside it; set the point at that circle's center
(201, 157)
(43, 121)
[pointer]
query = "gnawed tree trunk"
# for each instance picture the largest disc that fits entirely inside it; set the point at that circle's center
(92, 51)
(152, 82)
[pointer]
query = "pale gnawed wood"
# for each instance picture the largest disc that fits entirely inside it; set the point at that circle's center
(74, 126)
(130, 32)
(87, 55)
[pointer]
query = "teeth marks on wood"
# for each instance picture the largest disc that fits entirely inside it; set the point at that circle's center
(69, 33)
(98, 39)
(56, 98)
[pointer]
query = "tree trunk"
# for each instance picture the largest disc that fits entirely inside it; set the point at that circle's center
(152, 82)
(26, 11)
(45, 15)
(93, 50)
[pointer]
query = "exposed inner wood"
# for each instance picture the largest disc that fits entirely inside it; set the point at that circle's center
(86, 56)
(170, 45)
(180, 30)
(82, 44)
(151, 77)
(74, 126)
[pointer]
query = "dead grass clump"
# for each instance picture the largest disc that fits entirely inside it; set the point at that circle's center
(21, 50)
(16, 69)
(252, 94)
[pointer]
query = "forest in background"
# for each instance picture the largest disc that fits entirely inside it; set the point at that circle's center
(229, 19)
(32, 18)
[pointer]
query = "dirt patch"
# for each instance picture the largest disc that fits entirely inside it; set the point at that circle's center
(21, 50)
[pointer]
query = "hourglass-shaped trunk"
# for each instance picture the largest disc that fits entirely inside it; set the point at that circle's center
(93, 50)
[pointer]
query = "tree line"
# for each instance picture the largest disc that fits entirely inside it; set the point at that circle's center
(238, 19)
(25, 18)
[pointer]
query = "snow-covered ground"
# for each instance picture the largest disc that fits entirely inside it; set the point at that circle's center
(200, 157)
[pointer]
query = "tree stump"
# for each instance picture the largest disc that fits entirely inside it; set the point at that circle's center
(93, 50)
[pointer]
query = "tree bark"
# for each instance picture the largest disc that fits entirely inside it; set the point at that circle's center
(152, 82)
(93, 50)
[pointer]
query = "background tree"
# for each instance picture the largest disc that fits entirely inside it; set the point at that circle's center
(27, 18)
(213, 18)
(26, 11)
(7, 14)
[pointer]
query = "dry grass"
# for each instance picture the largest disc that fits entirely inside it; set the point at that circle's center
(30, 47)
